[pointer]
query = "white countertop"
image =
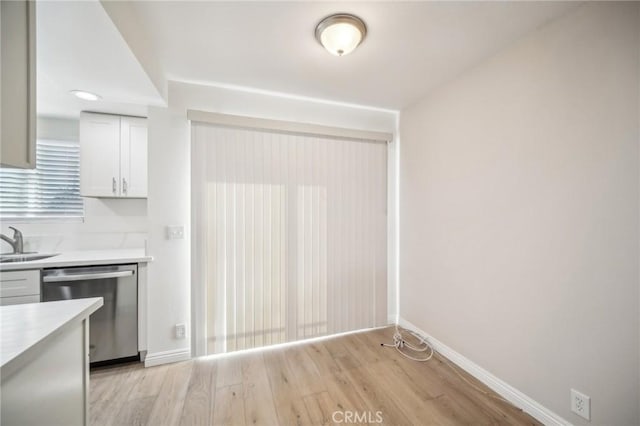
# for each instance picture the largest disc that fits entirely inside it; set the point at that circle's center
(82, 258)
(23, 327)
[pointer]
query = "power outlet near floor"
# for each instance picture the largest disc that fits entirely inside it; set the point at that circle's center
(581, 404)
(180, 331)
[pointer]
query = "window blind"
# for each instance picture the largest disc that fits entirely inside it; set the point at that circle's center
(290, 235)
(51, 190)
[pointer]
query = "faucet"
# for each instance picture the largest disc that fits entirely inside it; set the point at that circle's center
(16, 242)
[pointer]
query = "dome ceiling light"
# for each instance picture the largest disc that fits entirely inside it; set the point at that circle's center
(341, 33)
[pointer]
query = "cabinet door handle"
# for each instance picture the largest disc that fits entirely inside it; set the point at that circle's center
(124, 185)
(113, 185)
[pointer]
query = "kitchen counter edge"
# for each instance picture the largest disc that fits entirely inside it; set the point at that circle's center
(81, 258)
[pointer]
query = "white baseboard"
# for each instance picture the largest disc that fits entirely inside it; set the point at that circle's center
(508, 392)
(166, 357)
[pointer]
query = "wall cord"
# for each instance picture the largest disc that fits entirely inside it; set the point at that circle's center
(399, 343)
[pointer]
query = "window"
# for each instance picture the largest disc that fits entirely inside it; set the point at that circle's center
(52, 190)
(291, 236)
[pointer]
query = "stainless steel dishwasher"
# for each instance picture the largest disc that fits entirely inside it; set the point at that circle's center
(113, 329)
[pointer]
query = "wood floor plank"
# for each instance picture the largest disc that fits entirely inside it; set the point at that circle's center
(229, 371)
(415, 377)
(308, 379)
(229, 406)
(198, 400)
(104, 382)
(321, 408)
(259, 406)
(114, 397)
(149, 383)
(340, 354)
(292, 411)
(109, 385)
(288, 403)
(344, 393)
(377, 397)
(169, 402)
(361, 349)
(321, 357)
(135, 412)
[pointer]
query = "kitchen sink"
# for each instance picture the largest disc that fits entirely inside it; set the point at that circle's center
(24, 257)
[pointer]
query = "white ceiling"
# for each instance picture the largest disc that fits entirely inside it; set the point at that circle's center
(78, 47)
(411, 47)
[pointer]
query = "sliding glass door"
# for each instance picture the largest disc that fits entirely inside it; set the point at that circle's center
(289, 236)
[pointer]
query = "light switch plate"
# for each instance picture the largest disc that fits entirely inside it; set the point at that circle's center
(175, 232)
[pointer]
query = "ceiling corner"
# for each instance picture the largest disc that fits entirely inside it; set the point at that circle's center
(124, 17)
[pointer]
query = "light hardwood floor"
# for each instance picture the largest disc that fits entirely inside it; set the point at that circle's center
(302, 384)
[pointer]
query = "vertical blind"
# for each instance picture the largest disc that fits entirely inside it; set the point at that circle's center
(290, 235)
(51, 190)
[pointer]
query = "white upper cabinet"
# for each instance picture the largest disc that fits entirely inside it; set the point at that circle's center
(113, 156)
(99, 155)
(133, 156)
(18, 84)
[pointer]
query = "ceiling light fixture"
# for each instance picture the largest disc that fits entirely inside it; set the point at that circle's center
(341, 33)
(87, 96)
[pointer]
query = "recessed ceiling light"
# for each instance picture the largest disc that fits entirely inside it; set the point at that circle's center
(341, 33)
(87, 96)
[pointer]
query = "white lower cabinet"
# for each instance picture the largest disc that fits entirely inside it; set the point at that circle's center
(19, 300)
(17, 287)
(44, 376)
(50, 387)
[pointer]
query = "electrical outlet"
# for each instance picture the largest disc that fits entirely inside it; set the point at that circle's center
(581, 404)
(175, 232)
(181, 331)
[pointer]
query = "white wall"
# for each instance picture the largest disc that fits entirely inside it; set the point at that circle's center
(519, 213)
(108, 223)
(169, 186)
(250, 103)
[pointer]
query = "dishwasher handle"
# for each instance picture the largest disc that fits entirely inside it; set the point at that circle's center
(84, 277)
